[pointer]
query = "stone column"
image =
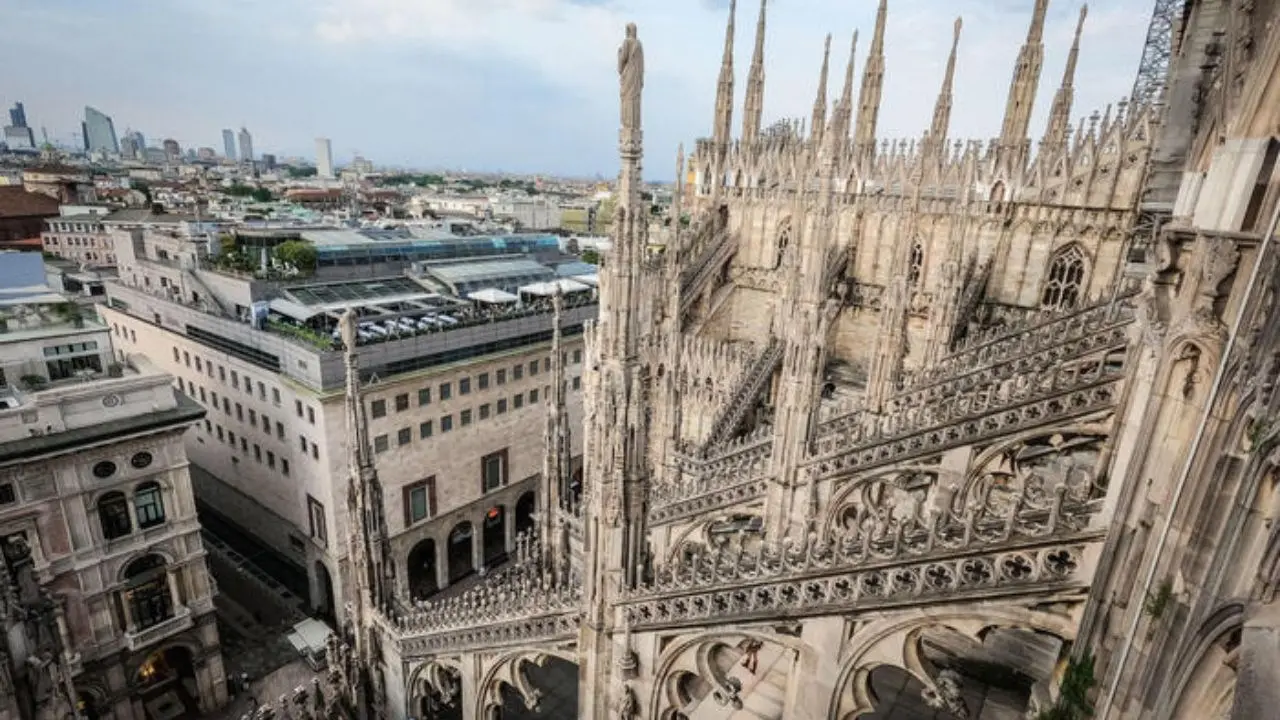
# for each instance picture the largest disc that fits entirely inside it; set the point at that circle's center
(1258, 679)
(509, 528)
(477, 542)
(816, 673)
(129, 622)
(442, 564)
(175, 589)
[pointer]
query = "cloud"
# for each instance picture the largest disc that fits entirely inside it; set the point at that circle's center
(527, 85)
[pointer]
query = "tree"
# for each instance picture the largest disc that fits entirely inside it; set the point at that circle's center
(262, 195)
(297, 254)
(591, 255)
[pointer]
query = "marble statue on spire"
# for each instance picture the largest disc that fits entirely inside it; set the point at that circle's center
(631, 72)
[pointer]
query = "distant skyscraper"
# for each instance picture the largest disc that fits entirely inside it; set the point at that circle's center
(99, 132)
(172, 149)
(18, 116)
(129, 146)
(246, 146)
(324, 158)
(229, 144)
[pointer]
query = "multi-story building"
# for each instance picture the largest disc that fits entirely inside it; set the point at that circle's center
(229, 144)
(246, 145)
(18, 115)
(452, 385)
(99, 132)
(172, 150)
(78, 234)
(105, 599)
(324, 159)
(23, 213)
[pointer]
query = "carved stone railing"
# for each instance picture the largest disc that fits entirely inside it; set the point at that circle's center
(727, 474)
(138, 639)
(1072, 379)
(1041, 331)
(518, 605)
(889, 562)
(978, 416)
(708, 263)
(753, 382)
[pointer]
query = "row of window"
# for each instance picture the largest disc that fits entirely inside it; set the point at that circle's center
(427, 428)
(420, 497)
(118, 515)
(378, 408)
(77, 241)
(267, 457)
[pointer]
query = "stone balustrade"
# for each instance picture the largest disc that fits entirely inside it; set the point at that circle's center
(1032, 546)
(137, 639)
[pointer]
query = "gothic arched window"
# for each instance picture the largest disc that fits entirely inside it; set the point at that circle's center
(1065, 280)
(916, 268)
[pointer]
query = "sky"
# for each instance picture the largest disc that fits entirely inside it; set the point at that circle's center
(526, 86)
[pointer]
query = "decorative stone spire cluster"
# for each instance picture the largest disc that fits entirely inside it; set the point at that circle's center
(1014, 140)
(755, 83)
(555, 471)
(819, 121)
(864, 138)
(724, 85)
(843, 115)
(1059, 127)
(367, 550)
(936, 143)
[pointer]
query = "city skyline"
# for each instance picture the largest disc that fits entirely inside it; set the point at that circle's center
(426, 86)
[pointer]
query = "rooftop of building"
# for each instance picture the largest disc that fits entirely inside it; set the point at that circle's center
(131, 397)
(17, 202)
(148, 216)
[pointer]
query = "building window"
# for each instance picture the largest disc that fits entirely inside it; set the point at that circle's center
(378, 408)
(271, 460)
(419, 501)
(501, 377)
(502, 406)
(484, 411)
(297, 405)
(302, 440)
(577, 356)
(279, 430)
(380, 444)
(186, 358)
(262, 391)
(1065, 280)
(517, 402)
(402, 402)
(147, 591)
(318, 526)
(284, 466)
(8, 495)
(253, 417)
(149, 505)
(231, 439)
(464, 386)
(315, 451)
(517, 372)
(113, 513)
(533, 367)
(239, 412)
(533, 396)
(275, 396)
(311, 415)
(244, 444)
(466, 417)
(266, 424)
(424, 397)
(257, 452)
(577, 383)
(404, 436)
(219, 429)
(446, 423)
(104, 469)
(199, 365)
(482, 381)
(177, 356)
(493, 471)
(424, 429)
(546, 364)
(446, 391)
(235, 379)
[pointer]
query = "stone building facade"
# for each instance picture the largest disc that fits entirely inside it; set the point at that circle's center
(105, 600)
(921, 429)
